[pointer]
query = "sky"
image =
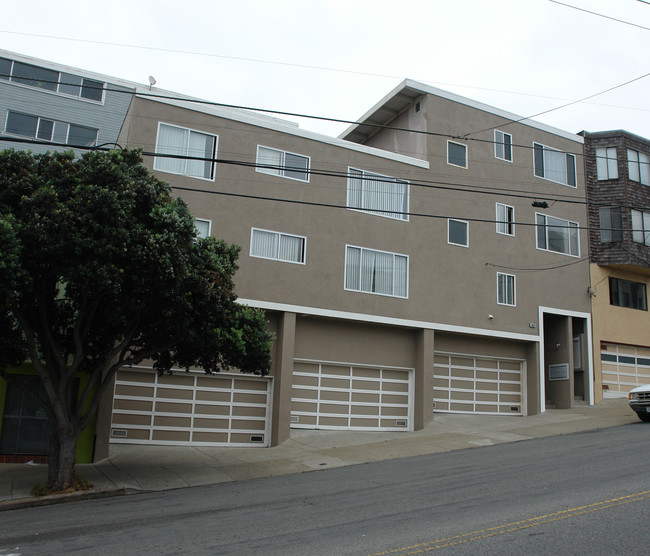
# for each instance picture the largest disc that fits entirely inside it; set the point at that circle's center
(338, 58)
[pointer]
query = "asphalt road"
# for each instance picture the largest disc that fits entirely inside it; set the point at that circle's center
(586, 493)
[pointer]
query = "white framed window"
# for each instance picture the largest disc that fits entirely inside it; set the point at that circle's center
(611, 226)
(192, 153)
(606, 163)
(379, 272)
(277, 246)
(506, 292)
(502, 145)
(638, 166)
(456, 154)
(51, 80)
(505, 219)
(640, 227)
(557, 235)
(43, 129)
(458, 232)
(554, 165)
(203, 227)
(377, 194)
(282, 163)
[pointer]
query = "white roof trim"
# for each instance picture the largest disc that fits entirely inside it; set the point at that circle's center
(428, 89)
(276, 124)
(378, 319)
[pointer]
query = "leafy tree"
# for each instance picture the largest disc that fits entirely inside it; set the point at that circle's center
(100, 267)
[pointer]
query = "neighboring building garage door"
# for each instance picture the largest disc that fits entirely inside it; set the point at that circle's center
(350, 397)
(624, 368)
(475, 384)
(190, 409)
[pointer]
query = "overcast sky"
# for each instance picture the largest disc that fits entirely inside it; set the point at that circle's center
(337, 58)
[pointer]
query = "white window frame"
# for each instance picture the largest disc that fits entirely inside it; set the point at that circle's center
(543, 172)
(55, 123)
(363, 204)
(203, 220)
(60, 87)
(358, 285)
(565, 225)
(640, 227)
(449, 221)
(277, 255)
(466, 154)
(281, 169)
(158, 161)
(506, 289)
(507, 222)
(501, 146)
(638, 166)
(606, 163)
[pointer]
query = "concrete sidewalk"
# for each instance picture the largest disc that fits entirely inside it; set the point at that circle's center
(151, 468)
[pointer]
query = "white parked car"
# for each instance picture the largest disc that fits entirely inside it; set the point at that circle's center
(640, 402)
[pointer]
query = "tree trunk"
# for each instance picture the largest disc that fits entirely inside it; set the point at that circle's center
(61, 460)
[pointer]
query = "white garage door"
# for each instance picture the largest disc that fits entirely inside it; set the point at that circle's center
(350, 397)
(190, 409)
(624, 368)
(475, 384)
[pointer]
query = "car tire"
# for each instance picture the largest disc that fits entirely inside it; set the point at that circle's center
(645, 417)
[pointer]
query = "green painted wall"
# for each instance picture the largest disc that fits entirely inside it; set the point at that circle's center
(86, 441)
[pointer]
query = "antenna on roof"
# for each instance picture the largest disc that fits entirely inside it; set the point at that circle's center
(152, 81)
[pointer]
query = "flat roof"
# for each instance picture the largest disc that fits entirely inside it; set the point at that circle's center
(396, 101)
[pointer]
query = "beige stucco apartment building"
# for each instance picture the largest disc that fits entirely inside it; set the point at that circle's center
(426, 260)
(433, 258)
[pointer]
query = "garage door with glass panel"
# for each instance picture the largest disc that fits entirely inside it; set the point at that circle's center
(190, 409)
(476, 384)
(350, 397)
(623, 368)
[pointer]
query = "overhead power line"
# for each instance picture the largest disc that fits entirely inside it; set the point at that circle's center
(336, 175)
(155, 96)
(560, 107)
(603, 15)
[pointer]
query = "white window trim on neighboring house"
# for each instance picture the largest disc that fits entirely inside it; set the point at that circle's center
(377, 194)
(280, 167)
(363, 272)
(502, 145)
(505, 217)
(203, 222)
(57, 130)
(640, 227)
(506, 289)
(545, 157)
(449, 143)
(278, 246)
(449, 241)
(184, 166)
(57, 82)
(638, 166)
(558, 226)
(606, 163)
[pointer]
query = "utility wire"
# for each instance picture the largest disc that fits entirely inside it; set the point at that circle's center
(559, 107)
(427, 184)
(602, 15)
(155, 96)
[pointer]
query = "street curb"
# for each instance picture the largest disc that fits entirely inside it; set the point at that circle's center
(52, 499)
